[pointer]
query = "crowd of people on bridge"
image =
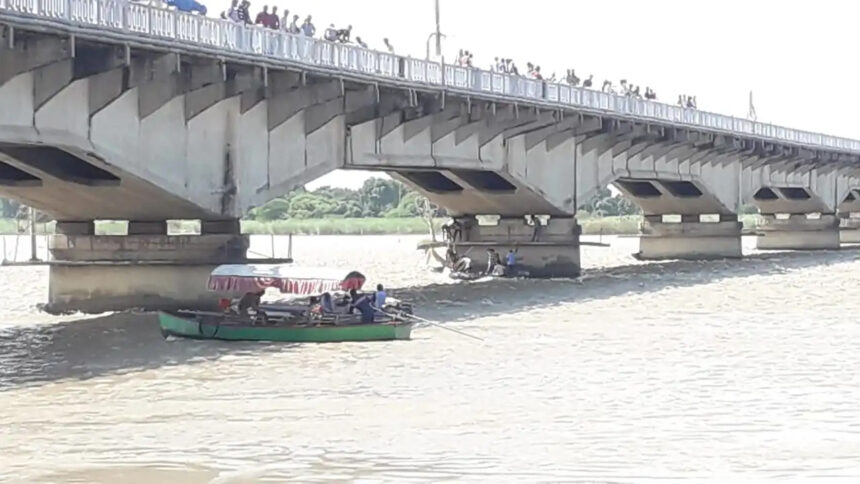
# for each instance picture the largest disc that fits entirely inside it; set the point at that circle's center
(240, 12)
(504, 65)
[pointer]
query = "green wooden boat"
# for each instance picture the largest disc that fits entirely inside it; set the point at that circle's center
(287, 322)
(212, 326)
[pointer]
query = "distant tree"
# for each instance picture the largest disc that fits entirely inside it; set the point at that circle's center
(605, 204)
(9, 208)
(376, 198)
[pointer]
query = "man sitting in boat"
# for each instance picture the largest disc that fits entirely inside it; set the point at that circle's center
(379, 297)
(363, 304)
(250, 301)
(494, 263)
(455, 262)
(326, 305)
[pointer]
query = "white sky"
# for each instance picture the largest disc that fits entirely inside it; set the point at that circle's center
(797, 57)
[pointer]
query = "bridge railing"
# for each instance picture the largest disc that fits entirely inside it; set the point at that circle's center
(144, 21)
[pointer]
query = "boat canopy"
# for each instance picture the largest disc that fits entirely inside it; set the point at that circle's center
(288, 278)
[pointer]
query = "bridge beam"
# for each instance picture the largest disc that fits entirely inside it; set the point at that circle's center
(31, 52)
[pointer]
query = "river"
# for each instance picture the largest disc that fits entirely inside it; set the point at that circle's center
(727, 370)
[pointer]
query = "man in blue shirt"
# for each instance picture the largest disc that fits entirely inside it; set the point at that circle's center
(380, 297)
(511, 259)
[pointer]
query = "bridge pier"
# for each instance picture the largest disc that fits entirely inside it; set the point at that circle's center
(849, 229)
(798, 233)
(690, 239)
(145, 269)
(550, 250)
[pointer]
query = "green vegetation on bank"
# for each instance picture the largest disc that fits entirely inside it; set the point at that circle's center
(379, 207)
(591, 225)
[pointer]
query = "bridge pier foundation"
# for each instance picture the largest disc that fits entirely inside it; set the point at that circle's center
(849, 229)
(690, 239)
(550, 250)
(798, 233)
(97, 273)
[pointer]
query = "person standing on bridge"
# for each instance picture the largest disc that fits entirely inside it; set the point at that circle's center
(308, 27)
(274, 20)
(344, 35)
(233, 13)
(294, 26)
(262, 18)
(284, 22)
(330, 33)
(244, 12)
(588, 83)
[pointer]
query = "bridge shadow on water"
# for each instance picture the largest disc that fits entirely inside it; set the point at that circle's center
(493, 297)
(110, 344)
(128, 342)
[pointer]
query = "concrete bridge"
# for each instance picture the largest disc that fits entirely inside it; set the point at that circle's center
(116, 110)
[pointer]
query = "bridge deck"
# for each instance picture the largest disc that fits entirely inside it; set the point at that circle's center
(135, 24)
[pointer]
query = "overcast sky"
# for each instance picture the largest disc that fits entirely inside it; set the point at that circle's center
(797, 57)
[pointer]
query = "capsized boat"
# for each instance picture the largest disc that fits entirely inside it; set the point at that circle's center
(291, 321)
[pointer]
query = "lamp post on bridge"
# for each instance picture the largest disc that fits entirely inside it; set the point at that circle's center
(438, 34)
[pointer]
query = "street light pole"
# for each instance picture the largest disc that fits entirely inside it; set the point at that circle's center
(438, 32)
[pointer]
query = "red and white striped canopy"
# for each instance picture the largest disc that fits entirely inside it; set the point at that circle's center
(287, 278)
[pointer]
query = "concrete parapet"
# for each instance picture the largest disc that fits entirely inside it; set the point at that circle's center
(550, 250)
(690, 240)
(798, 233)
(96, 288)
(171, 248)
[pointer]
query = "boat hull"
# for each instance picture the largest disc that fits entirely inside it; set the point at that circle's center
(172, 325)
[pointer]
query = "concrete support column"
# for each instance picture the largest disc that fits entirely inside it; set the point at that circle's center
(550, 250)
(798, 233)
(96, 287)
(849, 229)
(146, 269)
(87, 227)
(690, 239)
(147, 228)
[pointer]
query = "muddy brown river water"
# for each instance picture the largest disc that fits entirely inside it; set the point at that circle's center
(726, 370)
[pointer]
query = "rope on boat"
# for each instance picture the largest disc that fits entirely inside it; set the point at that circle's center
(433, 323)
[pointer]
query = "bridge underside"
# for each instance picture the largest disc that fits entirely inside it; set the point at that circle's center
(91, 130)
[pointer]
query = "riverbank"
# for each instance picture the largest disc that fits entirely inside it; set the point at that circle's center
(615, 225)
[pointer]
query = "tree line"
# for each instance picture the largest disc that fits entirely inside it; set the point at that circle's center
(377, 197)
(391, 199)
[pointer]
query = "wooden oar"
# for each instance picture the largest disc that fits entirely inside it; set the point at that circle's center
(433, 323)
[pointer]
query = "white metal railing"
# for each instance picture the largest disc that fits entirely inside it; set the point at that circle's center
(144, 21)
